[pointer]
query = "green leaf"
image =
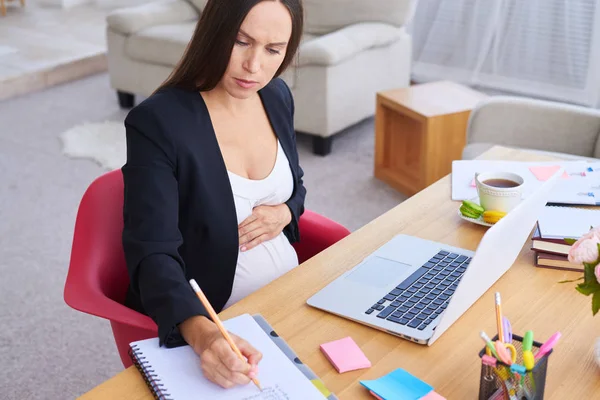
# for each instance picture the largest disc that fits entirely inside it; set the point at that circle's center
(596, 303)
(588, 273)
(571, 280)
(570, 242)
(588, 288)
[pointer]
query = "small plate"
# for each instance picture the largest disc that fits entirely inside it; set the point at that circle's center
(478, 221)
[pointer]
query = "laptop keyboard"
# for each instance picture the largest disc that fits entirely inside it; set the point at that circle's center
(420, 298)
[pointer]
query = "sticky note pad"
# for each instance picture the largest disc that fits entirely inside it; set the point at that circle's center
(545, 172)
(429, 396)
(398, 385)
(432, 396)
(374, 395)
(345, 355)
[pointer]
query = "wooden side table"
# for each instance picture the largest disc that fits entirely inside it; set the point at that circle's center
(419, 131)
(3, 6)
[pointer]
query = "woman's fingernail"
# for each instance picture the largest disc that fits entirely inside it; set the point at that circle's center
(243, 248)
(252, 375)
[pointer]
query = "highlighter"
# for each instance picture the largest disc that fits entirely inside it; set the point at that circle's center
(547, 346)
(528, 359)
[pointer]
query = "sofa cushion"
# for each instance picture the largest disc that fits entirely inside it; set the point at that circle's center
(338, 46)
(163, 44)
(325, 16)
(198, 4)
(130, 20)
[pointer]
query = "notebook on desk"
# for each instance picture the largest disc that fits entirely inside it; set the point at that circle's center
(175, 374)
(559, 223)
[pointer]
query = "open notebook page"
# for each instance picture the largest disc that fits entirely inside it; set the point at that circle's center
(567, 222)
(179, 369)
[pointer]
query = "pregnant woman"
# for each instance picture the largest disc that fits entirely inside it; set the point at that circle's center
(213, 186)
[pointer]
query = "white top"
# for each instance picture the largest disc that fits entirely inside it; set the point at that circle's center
(271, 259)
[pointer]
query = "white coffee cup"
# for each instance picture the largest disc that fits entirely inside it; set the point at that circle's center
(499, 191)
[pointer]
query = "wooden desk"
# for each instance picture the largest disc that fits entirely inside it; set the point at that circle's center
(419, 130)
(532, 299)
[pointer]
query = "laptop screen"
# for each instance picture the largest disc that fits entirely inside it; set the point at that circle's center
(496, 253)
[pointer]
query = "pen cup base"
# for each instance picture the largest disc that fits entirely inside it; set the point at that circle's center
(499, 383)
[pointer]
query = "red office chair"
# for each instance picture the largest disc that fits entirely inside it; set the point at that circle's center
(97, 279)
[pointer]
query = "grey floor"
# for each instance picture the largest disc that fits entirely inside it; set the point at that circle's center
(47, 350)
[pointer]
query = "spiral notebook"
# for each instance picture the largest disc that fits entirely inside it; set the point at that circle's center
(175, 374)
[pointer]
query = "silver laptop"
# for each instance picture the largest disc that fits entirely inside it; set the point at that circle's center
(416, 289)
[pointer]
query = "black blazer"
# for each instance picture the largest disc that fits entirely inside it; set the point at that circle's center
(179, 214)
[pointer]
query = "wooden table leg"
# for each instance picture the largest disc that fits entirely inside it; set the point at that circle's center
(2, 8)
(23, 3)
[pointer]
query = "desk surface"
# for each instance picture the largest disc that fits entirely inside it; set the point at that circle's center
(532, 299)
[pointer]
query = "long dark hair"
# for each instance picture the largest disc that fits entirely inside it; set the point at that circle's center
(207, 55)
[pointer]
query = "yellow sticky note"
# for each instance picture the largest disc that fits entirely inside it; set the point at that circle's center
(321, 386)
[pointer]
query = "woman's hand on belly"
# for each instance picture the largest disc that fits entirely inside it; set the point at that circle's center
(220, 364)
(265, 223)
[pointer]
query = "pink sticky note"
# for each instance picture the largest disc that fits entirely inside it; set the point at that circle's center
(545, 172)
(374, 395)
(345, 355)
(432, 396)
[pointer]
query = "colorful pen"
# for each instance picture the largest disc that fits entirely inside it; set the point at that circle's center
(499, 317)
(507, 330)
(528, 359)
(503, 354)
(489, 343)
(546, 347)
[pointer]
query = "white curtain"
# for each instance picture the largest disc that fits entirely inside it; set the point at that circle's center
(540, 48)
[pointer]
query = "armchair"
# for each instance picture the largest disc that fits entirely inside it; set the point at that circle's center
(97, 280)
(350, 50)
(562, 130)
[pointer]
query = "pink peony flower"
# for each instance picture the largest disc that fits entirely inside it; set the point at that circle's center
(586, 249)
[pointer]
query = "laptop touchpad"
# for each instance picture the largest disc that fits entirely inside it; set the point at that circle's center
(380, 272)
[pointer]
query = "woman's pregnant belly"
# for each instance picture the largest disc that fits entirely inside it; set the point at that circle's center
(262, 264)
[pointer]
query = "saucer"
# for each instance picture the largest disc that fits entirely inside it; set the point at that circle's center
(478, 221)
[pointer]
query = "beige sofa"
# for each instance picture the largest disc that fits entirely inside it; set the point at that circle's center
(350, 50)
(557, 129)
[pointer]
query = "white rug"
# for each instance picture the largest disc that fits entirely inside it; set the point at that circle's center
(102, 142)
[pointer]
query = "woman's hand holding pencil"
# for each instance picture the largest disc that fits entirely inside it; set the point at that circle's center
(227, 359)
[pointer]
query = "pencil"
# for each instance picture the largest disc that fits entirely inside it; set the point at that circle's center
(499, 318)
(219, 324)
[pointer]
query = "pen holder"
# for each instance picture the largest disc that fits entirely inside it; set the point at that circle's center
(500, 384)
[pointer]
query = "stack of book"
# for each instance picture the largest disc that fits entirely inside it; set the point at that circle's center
(554, 226)
(552, 253)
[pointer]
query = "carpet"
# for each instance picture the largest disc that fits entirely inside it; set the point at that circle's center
(102, 142)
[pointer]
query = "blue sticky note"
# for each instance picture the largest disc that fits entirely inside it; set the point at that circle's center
(398, 385)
